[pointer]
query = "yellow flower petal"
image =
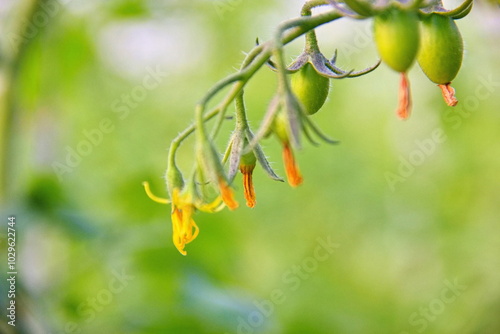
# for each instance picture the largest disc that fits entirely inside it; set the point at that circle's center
(152, 196)
(215, 206)
(184, 228)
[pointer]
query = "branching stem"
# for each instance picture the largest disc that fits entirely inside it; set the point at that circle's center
(256, 58)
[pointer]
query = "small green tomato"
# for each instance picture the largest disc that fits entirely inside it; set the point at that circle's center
(310, 88)
(396, 35)
(441, 48)
(280, 127)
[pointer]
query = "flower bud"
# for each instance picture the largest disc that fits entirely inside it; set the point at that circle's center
(247, 165)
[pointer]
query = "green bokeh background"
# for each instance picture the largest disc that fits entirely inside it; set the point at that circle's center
(398, 245)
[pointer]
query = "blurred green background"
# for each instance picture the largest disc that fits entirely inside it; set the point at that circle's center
(395, 230)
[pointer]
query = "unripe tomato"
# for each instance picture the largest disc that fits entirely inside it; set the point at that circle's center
(280, 127)
(441, 48)
(397, 38)
(248, 159)
(310, 88)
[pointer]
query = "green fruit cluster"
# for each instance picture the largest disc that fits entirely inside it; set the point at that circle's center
(401, 36)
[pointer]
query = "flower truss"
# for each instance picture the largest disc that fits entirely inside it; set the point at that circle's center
(404, 32)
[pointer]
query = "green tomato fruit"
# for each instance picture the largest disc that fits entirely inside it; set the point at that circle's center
(248, 159)
(310, 88)
(396, 35)
(441, 48)
(280, 126)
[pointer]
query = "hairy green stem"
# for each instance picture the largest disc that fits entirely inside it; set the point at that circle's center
(311, 40)
(224, 104)
(241, 115)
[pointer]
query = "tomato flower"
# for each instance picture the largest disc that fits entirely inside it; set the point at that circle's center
(246, 162)
(292, 171)
(293, 174)
(184, 203)
(209, 162)
(247, 165)
(227, 194)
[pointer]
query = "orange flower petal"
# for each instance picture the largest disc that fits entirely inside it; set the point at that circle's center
(292, 170)
(249, 191)
(404, 107)
(448, 94)
(227, 195)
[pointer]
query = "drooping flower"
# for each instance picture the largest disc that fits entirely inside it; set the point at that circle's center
(184, 203)
(246, 162)
(292, 171)
(210, 163)
(249, 190)
(247, 165)
(227, 194)
(293, 174)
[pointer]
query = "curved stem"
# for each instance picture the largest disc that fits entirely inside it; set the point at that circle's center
(311, 40)
(224, 104)
(309, 5)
